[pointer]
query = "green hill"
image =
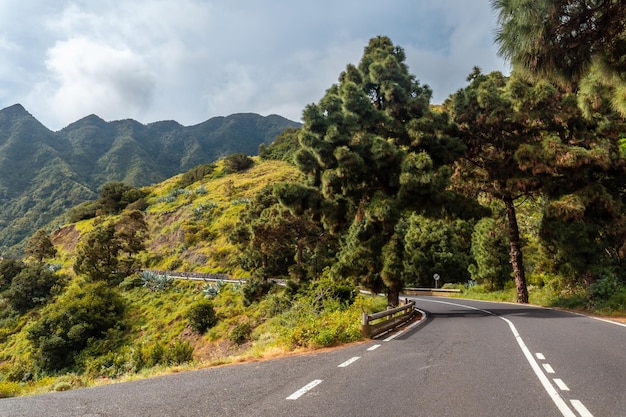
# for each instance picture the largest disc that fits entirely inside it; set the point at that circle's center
(188, 227)
(152, 322)
(44, 173)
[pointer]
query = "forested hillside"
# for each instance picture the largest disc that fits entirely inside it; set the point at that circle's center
(44, 173)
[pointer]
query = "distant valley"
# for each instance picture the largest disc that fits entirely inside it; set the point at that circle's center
(43, 173)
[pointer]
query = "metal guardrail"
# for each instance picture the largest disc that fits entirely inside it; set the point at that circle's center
(395, 317)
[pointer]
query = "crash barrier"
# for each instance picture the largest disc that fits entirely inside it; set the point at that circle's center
(441, 292)
(395, 317)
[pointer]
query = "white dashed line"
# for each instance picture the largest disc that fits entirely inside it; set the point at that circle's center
(540, 356)
(373, 347)
(559, 383)
(548, 368)
(582, 410)
(349, 362)
(308, 387)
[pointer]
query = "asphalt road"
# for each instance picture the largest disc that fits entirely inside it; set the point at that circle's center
(467, 358)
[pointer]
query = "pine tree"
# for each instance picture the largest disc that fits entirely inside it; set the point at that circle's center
(372, 149)
(524, 140)
(40, 246)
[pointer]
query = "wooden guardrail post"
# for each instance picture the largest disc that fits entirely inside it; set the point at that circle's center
(366, 329)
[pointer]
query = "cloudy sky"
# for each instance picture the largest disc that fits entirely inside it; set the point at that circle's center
(190, 60)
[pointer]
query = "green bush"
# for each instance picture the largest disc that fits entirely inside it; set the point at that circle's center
(132, 281)
(240, 333)
(9, 269)
(155, 355)
(327, 289)
(9, 389)
(201, 316)
(18, 372)
(146, 356)
(608, 293)
(80, 316)
(605, 288)
(255, 289)
(195, 174)
(178, 353)
(111, 365)
(33, 286)
(237, 162)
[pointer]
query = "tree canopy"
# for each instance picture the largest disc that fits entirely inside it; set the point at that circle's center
(524, 140)
(575, 42)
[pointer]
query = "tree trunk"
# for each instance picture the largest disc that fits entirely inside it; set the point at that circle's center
(393, 296)
(516, 251)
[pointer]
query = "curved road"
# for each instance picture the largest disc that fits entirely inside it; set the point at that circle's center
(467, 358)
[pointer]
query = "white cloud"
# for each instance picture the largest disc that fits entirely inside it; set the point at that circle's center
(87, 77)
(190, 60)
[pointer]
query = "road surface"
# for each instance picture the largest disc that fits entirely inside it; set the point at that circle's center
(467, 358)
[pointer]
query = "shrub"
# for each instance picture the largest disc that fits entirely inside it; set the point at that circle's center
(19, 372)
(62, 386)
(111, 365)
(240, 333)
(237, 162)
(608, 293)
(79, 317)
(33, 286)
(201, 316)
(155, 354)
(84, 211)
(9, 389)
(131, 281)
(195, 174)
(146, 356)
(9, 269)
(179, 352)
(327, 289)
(604, 288)
(254, 290)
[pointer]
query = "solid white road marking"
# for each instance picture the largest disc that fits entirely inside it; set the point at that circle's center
(373, 347)
(582, 410)
(548, 368)
(540, 356)
(308, 387)
(349, 362)
(559, 383)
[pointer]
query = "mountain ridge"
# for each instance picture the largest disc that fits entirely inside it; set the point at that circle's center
(43, 172)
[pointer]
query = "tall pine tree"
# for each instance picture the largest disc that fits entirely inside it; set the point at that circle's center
(372, 150)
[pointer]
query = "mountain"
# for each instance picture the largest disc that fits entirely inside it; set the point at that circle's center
(43, 173)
